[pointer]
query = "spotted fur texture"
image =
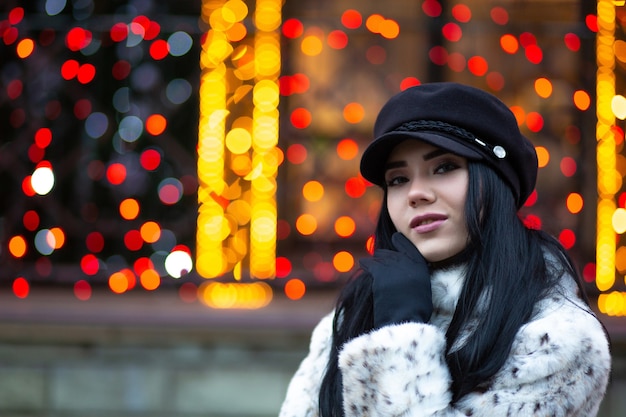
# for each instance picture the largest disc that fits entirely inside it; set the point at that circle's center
(558, 366)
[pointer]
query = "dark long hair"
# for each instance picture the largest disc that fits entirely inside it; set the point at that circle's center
(506, 259)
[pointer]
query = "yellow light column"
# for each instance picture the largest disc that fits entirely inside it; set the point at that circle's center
(238, 156)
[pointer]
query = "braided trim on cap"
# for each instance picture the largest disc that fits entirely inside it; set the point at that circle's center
(438, 126)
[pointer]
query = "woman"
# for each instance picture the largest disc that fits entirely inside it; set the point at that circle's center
(461, 310)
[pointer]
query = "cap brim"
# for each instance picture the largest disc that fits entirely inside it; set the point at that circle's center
(376, 154)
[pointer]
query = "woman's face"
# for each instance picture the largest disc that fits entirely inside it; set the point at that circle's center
(426, 192)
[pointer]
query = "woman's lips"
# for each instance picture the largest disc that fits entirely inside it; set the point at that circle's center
(427, 223)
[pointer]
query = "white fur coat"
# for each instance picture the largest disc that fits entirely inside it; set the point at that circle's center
(559, 365)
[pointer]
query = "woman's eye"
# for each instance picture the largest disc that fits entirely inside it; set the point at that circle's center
(396, 180)
(446, 167)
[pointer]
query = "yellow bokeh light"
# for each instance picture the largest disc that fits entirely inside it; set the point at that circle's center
(235, 295)
(619, 221)
(312, 45)
(238, 140)
(618, 106)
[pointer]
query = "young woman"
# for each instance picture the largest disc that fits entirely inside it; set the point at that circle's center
(461, 310)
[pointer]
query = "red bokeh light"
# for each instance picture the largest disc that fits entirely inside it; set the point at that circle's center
(452, 32)
(572, 42)
(567, 238)
(16, 15)
(82, 109)
(159, 49)
(534, 121)
(116, 173)
(82, 290)
(95, 242)
(301, 118)
(438, 55)
(431, 8)
(89, 264)
(337, 39)
(499, 15)
(534, 54)
(477, 65)
(409, 82)
(69, 69)
(150, 159)
(119, 32)
(292, 28)
(43, 137)
(35, 153)
(14, 89)
(283, 267)
(133, 240)
(86, 73)
(77, 38)
(31, 220)
(462, 13)
(355, 187)
(121, 69)
(21, 287)
(296, 153)
(591, 20)
(351, 19)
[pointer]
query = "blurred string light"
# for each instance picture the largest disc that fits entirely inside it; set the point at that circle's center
(238, 157)
(611, 107)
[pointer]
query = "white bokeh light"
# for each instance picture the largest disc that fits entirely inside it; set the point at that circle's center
(42, 180)
(178, 263)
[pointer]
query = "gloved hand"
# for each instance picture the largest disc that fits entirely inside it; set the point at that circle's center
(401, 283)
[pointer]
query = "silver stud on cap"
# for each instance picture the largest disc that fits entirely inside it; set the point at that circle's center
(499, 151)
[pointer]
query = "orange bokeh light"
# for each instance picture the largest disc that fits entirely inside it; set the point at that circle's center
(129, 209)
(343, 261)
(150, 232)
(353, 113)
(347, 149)
(306, 224)
(17, 246)
(295, 289)
(156, 124)
(150, 279)
(25, 48)
(345, 226)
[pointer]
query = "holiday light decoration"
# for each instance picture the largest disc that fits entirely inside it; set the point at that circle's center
(286, 104)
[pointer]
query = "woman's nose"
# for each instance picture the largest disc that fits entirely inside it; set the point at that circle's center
(420, 192)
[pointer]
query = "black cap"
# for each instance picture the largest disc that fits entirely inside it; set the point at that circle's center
(464, 120)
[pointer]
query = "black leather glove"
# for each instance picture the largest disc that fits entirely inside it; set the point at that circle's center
(401, 283)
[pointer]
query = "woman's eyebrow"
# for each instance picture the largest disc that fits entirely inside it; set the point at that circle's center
(434, 154)
(394, 164)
